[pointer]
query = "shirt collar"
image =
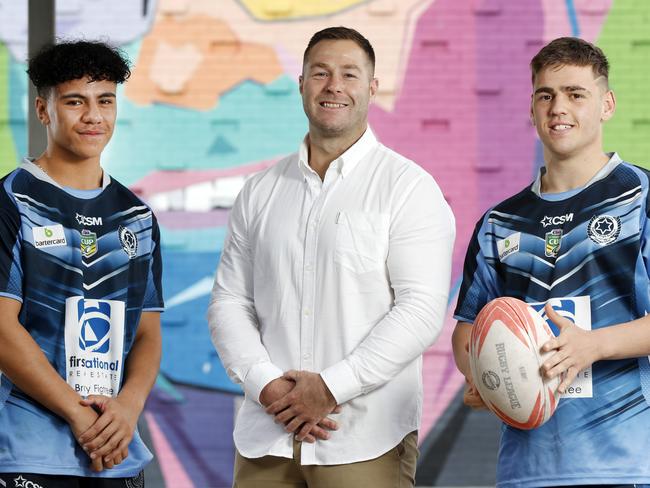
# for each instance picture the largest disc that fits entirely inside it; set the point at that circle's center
(29, 165)
(346, 161)
(614, 161)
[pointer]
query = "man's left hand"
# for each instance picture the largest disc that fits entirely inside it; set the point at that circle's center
(305, 406)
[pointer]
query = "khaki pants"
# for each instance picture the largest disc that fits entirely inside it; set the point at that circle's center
(395, 469)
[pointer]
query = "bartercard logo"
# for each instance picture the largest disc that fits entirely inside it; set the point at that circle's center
(49, 236)
(83, 220)
(556, 220)
(509, 245)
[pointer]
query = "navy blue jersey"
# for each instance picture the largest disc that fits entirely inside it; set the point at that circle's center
(587, 253)
(84, 268)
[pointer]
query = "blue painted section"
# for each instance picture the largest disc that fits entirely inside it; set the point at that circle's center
(573, 18)
(163, 137)
(188, 354)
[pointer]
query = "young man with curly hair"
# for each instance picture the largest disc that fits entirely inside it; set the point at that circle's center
(80, 290)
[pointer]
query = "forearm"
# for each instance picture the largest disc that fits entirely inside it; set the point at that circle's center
(23, 362)
(459, 342)
(627, 340)
(143, 361)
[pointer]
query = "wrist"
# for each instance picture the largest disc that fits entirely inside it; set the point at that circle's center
(132, 400)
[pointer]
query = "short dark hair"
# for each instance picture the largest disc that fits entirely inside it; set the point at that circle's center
(70, 60)
(339, 34)
(571, 51)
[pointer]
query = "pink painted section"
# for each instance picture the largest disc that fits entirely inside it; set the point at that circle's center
(556, 20)
(591, 17)
(440, 377)
(171, 468)
(590, 14)
(193, 220)
(434, 121)
(164, 181)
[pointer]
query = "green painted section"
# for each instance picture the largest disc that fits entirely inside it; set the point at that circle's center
(8, 157)
(625, 39)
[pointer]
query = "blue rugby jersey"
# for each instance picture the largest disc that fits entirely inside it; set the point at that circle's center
(587, 252)
(84, 269)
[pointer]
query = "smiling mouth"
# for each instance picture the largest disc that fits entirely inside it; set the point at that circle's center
(561, 127)
(332, 105)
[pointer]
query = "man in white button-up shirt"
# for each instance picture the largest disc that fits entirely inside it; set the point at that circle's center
(333, 281)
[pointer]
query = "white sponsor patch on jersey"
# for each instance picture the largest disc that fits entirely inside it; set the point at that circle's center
(49, 236)
(578, 311)
(94, 342)
(509, 245)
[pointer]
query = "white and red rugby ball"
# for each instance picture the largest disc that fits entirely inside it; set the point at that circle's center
(505, 361)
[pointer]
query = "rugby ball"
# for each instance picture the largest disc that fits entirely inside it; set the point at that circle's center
(505, 361)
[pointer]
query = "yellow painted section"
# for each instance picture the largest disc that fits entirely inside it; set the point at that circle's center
(7, 149)
(293, 9)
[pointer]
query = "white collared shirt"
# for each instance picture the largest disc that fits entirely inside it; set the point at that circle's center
(347, 277)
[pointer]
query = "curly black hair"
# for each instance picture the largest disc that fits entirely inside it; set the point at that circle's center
(71, 60)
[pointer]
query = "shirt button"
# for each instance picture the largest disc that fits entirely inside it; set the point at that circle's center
(306, 355)
(307, 312)
(309, 267)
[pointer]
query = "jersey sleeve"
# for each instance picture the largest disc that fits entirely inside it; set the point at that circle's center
(480, 280)
(153, 297)
(11, 272)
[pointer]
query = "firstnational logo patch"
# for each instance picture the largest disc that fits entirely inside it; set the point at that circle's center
(49, 236)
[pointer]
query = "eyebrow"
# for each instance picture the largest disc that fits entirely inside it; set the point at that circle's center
(569, 89)
(345, 66)
(79, 95)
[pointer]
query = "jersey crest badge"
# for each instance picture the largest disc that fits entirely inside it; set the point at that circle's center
(604, 229)
(88, 243)
(129, 241)
(552, 243)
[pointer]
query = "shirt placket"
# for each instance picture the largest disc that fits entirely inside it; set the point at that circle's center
(319, 192)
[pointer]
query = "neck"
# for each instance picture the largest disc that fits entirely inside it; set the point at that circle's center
(323, 150)
(70, 171)
(566, 174)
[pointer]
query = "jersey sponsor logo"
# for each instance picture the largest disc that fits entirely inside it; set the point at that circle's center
(556, 220)
(509, 245)
(95, 323)
(578, 311)
(88, 243)
(604, 229)
(94, 341)
(129, 241)
(89, 221)
(49, 236)
(21, 482)
(552, 243)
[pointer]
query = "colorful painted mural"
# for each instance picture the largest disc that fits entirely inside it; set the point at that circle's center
(214, 98)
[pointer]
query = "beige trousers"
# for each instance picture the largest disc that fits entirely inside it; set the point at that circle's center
(395, 469)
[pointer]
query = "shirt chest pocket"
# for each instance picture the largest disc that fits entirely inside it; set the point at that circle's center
(361, 240)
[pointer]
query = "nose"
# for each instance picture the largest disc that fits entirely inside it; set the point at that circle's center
(335, 83)
(559, 105)
(92, 114)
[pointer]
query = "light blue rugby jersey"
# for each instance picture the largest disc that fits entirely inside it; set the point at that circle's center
(588, 253)
(84, 268)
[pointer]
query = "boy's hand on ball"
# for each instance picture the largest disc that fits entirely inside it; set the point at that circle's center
(575, 348)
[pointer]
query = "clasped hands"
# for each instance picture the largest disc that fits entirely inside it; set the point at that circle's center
(104, 427)
(301, 401)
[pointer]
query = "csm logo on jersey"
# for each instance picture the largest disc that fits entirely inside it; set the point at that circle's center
(556, 220)
(83, 220)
